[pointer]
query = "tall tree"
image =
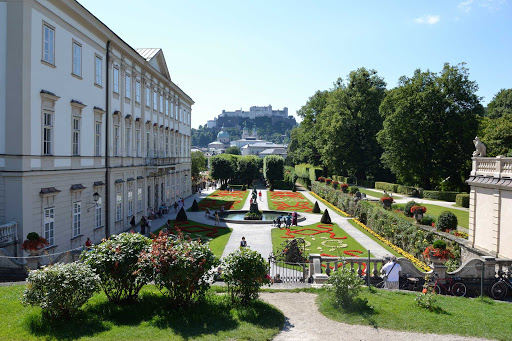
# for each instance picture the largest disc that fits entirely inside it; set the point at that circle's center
(498, 136)
(223, 167)
(430, 121)
(349, 124)
(501, 104)
(273, 168)
(233, 150)
(248, 168)
(198, 163)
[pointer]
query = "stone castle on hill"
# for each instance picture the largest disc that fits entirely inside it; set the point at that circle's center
(234, 118)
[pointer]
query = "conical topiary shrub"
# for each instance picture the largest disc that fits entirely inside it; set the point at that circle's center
(182, 216)
(316, 208)
(271, 188)
(326, 219)
(294, 188)
(195, 206)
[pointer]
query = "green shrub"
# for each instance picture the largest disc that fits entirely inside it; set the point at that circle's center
(353, 189)
(245, 271)
(315, 173)
(316, 208)
(32, 236)
(407, 208)
(410, 191)
(273, 168)
(345, 286)
(115, 260)
(182, 215)
(61, 289)
(439, 244)
(326, 219)
(180, 268)
(446, 221)
(462, 199)
(365, 183)
(440, 195)
(386, 186)
(427, 220)
(195, 206)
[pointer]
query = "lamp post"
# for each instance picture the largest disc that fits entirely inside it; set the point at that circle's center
(96, 197)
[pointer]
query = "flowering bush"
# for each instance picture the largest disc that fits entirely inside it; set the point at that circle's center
(321, 179)
(328, 180)
(427, 298)
(418, 209)
(438, 250)
(115, 260)
(180, 267)
(386, 201)
(61, 289)
(34, 242)
(335, 184)
(407, 208)
(344, 187)
(245, 271)
(346, 285)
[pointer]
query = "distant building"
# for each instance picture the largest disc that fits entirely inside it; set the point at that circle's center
(234, 118)
(222, 142)
(264, 148)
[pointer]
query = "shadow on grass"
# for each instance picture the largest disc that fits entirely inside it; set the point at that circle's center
(360, 307)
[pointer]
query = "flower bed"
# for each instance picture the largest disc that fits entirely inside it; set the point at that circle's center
(288, 201)
(229, 200)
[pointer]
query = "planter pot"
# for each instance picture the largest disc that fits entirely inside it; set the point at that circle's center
(36, 252)
(386, 204)
(418, 216)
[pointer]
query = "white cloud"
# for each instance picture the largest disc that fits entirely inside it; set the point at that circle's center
(491, 5)
(465, 5)
(428, 19)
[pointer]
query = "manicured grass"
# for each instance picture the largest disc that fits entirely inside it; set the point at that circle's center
(398, 310)
(149, 319)
(390, 250)
(288, 201)
(316, 234)
(375, 194)
(462, 216)
(230, 200)
(218, 235)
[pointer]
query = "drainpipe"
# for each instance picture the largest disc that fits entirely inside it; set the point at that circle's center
(107, 135)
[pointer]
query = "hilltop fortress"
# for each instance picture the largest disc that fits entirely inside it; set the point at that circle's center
(233, 118)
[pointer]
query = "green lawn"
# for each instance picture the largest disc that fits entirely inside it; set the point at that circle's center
(375, 194)
(218, 235)
(391, 251)
(288, 201)
(148, 319)
(398, 310)
(462, 216)
(229, 200)
(320, 238)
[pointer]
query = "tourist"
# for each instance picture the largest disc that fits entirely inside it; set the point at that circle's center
(143, 223)
(175, 207)
(207, 212)
(216, 218)
(88, 244)
(222, 208)
(259, 194)
(243, 242)
(279, 221)
(132, 223)
(294, 218)
(288, 220)
(391, 272)
(149, 227)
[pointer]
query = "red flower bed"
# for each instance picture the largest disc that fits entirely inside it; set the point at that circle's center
(415, 208)
(322, 228)
(321, 179)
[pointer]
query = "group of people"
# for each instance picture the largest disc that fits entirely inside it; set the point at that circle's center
(287, 221)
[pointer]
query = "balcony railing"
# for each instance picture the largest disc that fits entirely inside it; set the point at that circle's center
(8, 233)
(498, 167)
(161, 161)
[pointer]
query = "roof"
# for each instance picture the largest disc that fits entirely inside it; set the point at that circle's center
(222, 133)
(274, 151)
(148, 54)
(268, 144)
(156, 59)
(216, 143)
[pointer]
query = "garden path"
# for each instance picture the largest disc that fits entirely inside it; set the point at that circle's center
(305, 322)
(375, 248)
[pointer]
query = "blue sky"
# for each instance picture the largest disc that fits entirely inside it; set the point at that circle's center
(236, 54)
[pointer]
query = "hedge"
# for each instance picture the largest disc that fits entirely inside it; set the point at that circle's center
(315, 173)
(411, 191)
(440, 195)
(462, 199)
(365, 183)
(386, 186)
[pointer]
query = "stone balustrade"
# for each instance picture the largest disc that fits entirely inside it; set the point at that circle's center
(498, 167)
(8, 233)
(504, 265)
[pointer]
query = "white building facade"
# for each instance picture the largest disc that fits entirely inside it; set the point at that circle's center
(83, 113)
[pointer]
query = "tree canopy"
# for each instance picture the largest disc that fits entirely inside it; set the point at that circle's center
(273, 168)
(233, 150)
(501, 104)
(198, 163)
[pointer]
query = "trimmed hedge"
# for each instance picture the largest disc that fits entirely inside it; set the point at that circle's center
(409, 190)
(365, 183)
(386, 186)
(315, 173)
(462, 199)
(440, 195)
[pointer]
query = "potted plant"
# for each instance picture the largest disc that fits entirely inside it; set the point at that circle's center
(418, 212)
(386, 201)
(335, 184)
(321, 179)
(328, 181)
(437, 251)
(34, 244)
(344, 187)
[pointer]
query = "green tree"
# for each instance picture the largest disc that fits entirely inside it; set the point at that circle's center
(233, 150)
(248, 168)
(198, 163)
(349, 123)
(273, 168)
(501, 104)
(430, 121)
(223, 167)
(498, 136)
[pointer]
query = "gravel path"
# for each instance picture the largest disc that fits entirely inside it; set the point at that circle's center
(305, 322)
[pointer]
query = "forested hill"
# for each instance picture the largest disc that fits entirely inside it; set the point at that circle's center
(270, 129)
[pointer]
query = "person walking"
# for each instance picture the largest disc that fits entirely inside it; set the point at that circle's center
(391, 274)
(132, 223)
(143, 223)
(148, 227)
(243, 242)
(216, 218)
(288, 220)
(207, 212)
(88, 244)
(294, 218)
(175, 207)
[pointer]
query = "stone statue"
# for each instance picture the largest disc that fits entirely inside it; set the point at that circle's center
(481, 150)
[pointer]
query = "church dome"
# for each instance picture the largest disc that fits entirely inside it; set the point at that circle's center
(222, 134)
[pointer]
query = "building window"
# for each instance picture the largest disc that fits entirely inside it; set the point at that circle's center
(49, 223)
(147, 144)
(161, 103)
(77, 212)
(97, 138)
(128, 85)
(137, 91)
(137, 142)
(155, 145)
(76, 136)
(168, 190)
(176, 111)
(49, 44)
(97, 214)
(116, 80)
(128, 141)
(148, 97)
(119, 203)
(77, 59)
(167, 107)
(139, 199)
(166, 145)
(149, 195)
(98, 70)
(116, 141)
(155, 100)
(130, 203)
(47, 133)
